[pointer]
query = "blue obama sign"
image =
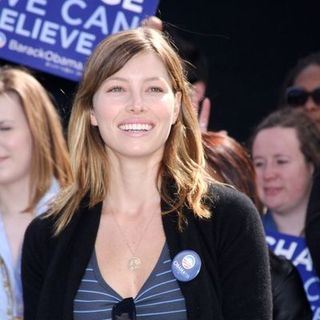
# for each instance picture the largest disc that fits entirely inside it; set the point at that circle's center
(57, 36)
(295, 249)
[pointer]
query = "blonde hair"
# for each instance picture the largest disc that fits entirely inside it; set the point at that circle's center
(183, 160)
(50, 156)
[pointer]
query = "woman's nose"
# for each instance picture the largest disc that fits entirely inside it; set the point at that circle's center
(135, 103)
(310, 105)
(269, 172)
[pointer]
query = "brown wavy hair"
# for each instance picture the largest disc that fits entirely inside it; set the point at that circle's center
(230, 162)
(183, 160)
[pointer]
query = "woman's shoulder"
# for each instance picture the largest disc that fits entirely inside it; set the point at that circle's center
(41, 227)
(226, 197)
(232, 209)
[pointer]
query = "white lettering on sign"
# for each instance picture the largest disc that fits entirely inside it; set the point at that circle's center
(130, 5)
(46, 31)
(282, 250)
(78, 30)
(84, 44)
(304, 258)
(12, 3)
(281, 247)
(316, 315)
(36, 10)
(49, 32)
(19, 27)
(308, 285)
(7, 19)
(121, 22)
(65, 12)
(98, 19)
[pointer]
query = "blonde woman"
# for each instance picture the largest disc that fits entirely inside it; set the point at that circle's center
(33, 165)
(143, 233)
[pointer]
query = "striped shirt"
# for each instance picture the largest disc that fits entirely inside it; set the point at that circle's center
(159, 298)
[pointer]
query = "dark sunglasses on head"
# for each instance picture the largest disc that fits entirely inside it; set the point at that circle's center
(124, 310)
(297, 97)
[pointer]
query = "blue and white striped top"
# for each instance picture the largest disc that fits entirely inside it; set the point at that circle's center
(159, 298)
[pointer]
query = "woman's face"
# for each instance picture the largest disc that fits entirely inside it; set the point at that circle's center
(135, 108)
(309, 80)
(283, 176)
(15, 141)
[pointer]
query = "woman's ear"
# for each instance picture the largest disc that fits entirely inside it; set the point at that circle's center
(93, 119)
(177, 106)
(312, 169)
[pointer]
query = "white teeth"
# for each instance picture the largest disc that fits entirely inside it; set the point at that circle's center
(135, 127)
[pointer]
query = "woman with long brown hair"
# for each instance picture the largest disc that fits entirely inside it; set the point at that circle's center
(143, 233)
(34, 164)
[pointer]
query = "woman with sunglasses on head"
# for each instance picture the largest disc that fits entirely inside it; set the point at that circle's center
(302, 90)
(143, 233)
(34, 163)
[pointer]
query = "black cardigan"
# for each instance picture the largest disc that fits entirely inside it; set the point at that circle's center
(313, 223)
(234, 281)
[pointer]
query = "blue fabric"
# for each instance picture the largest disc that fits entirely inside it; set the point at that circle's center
(159, 298)
(268, 222)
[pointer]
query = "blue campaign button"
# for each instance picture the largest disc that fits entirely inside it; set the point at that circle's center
(186, 265)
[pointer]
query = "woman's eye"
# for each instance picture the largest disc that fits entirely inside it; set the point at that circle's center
(115, 89)
(155, 89)
(282, 162)
(258, 164)
(5, 128)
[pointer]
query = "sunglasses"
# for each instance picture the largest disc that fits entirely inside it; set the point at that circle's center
(297, 97)
(124, 310)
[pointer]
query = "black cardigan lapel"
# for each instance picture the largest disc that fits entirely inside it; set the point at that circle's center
(189, 239)
(83, 246)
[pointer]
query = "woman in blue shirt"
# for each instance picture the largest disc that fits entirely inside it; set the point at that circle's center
(33, 165)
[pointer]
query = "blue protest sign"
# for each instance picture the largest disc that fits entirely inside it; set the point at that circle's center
(295, 249)
(57, 36)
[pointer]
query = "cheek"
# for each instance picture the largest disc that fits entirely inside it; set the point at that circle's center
(299, 178)
(259, 183)
(26, 144)
(169, 109)
(259, 177)
(21, 141)
(102, 114)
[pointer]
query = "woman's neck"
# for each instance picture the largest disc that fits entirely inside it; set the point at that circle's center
(292, 222)
(15, 197)
(132, 187)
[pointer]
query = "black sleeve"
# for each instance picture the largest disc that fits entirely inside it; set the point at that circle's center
(289, 298)
(313, 223)
(33, 266)
(243, 260)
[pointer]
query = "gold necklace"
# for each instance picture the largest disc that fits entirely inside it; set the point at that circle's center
(134, 262)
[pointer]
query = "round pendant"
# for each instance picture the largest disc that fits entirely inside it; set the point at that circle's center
(134, 263)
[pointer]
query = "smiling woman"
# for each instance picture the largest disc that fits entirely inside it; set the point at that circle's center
(285, 150)
(136, 102)
(33, 164)
(143, 224)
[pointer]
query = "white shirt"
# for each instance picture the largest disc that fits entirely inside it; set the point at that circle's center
(11, 302)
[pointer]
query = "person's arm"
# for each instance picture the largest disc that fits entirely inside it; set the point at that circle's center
(33, 267)
(287, 290)
(243, 260)
(312, 230)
